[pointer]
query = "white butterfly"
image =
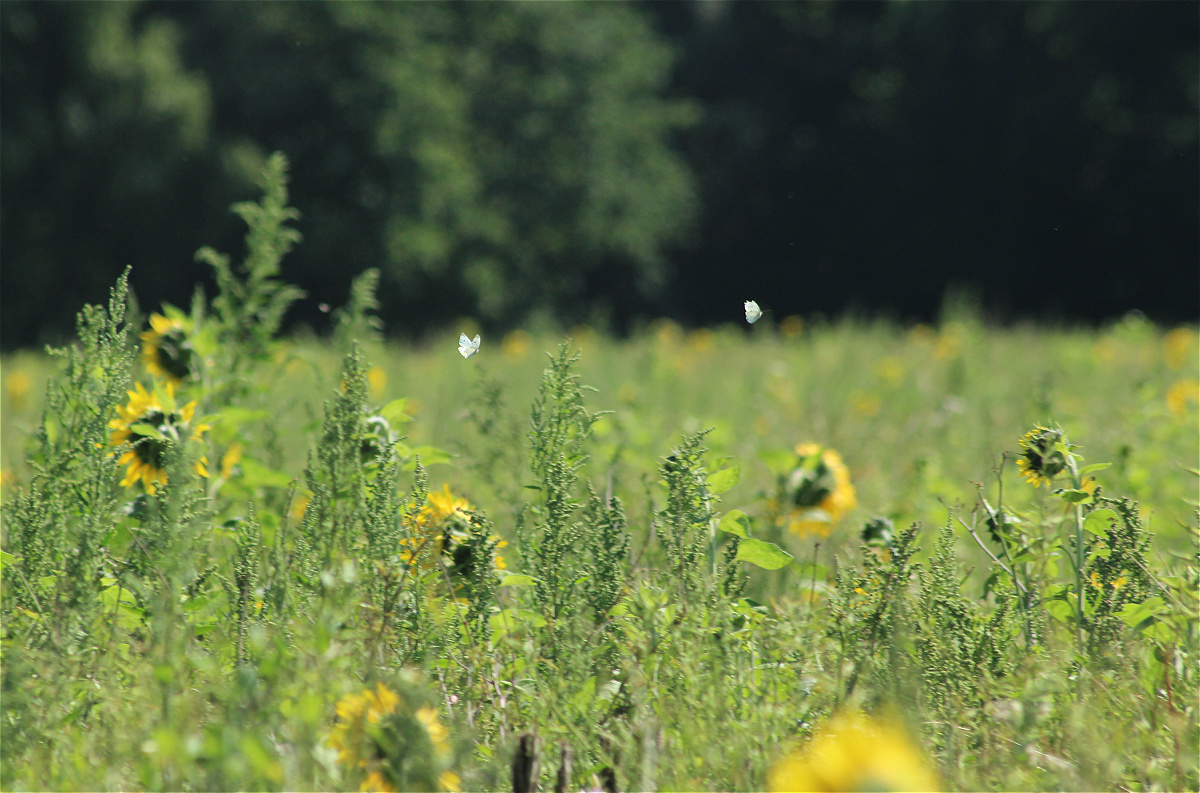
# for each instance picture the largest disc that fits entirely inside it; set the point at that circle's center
(753, 312)
(468, 347)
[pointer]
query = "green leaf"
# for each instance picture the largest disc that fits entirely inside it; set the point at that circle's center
(1073, 496)
(766, 555)
(811, 572)
(1098, 521)
(1137, 614)
(258, 475)
(509, 620)
(516, 579)
(394, 411)
(778, 461)
(735, 522)
(722, 481)
(147, 430)
(1087, 469)
(753, 605)
(6, 559)
(430, 455)
(1061, 610)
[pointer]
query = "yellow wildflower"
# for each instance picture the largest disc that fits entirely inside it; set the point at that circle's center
(818, 491)
(151, 423)
(865, 403)
(890, 369)
(167, 349)
(376, 382)
(442, 526)
(1179, 347)
(16, 387)
(1180, 394)
(230, 459)
(515, 345)
(1039, 461)
(391, 744)
(700, 340)
(854, 752)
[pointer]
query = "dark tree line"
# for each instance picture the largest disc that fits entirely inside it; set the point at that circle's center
(1040, 155)
(609, 162)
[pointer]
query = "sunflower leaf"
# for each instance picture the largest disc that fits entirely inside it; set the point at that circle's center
(147, 431)
(766, 555)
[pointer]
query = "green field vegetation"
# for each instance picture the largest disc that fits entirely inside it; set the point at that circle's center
(293, 564)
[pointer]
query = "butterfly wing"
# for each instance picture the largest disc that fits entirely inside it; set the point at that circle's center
(753, 312)
(468, 347)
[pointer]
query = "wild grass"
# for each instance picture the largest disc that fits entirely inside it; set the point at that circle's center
(587, 543)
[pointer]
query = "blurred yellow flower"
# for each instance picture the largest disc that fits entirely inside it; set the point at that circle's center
(1179, 348)
(666, 333)
(515, 345)
(391, 743)
(299, 505)
(1104, 351)
(16, 387)
(167, 349)
(817, 493)
(376, 382)
(700, 340)
(865, 403)
(151, 423)
(230, 459)
(948, 345)
(854, 752)
(1180, 394)
(375, 783)
(890, 370)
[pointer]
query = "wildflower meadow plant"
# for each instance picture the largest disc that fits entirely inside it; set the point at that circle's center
(588, 598)
(147, 428)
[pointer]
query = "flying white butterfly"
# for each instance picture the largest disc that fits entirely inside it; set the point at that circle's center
(753, 312)
(468, 347)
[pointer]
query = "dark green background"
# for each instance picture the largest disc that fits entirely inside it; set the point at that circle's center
(532, 162)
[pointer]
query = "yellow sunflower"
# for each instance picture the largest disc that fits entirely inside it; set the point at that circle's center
(443, 525)
(167, 348)
(1039, 460)
(391, 743)
(817, 493)
(150, 423)
(855, 752)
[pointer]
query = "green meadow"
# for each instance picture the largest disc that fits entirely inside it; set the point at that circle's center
(745, 557)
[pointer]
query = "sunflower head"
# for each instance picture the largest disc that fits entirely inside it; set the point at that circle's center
(855, 752)
(167, 348)
(395, 742)
(818, 491)
(377, 435)
(151, 424)
(445, 525)
(1042, 457)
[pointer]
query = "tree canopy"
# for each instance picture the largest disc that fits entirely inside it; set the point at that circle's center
(602, 161)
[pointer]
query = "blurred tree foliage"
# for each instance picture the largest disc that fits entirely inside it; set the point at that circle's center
(600, 160)
(496, 159)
